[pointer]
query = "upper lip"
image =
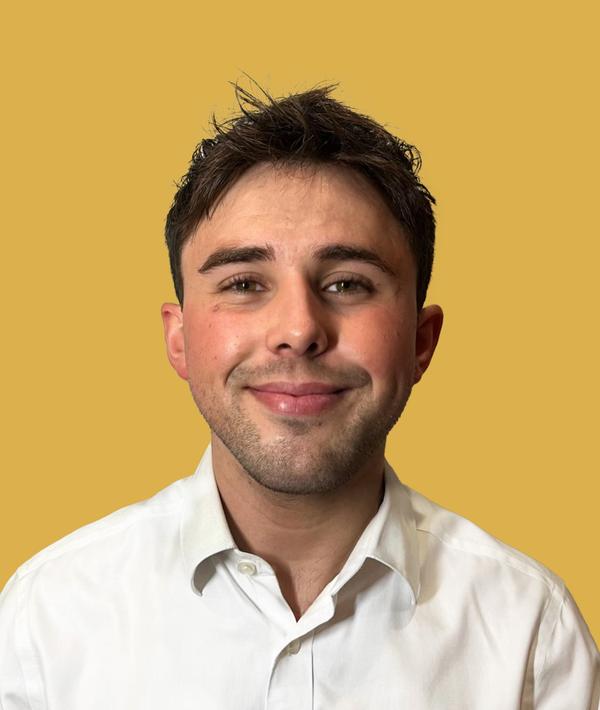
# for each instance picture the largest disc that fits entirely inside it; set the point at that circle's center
(298, 389)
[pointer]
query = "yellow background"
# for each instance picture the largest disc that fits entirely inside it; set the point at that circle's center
(103, 105)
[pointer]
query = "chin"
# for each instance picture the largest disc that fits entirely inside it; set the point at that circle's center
(303, 455)
(299, 467)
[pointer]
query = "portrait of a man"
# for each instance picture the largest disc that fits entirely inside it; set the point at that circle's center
(294, 569)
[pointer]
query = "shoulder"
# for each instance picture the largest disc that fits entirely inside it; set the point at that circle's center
(104, 541)
(446, 533)
(73, 587)
(495, 589)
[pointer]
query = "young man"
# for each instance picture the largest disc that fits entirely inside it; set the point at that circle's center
(294, 570)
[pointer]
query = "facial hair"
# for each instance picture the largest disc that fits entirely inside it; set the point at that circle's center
(298, 460)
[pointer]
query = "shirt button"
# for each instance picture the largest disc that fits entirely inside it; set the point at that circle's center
(293, 647)
(247, 568)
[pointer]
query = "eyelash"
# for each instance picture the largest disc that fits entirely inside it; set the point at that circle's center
(230, 284)
(357, 284)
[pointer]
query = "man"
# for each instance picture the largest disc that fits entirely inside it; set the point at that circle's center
(294, 570)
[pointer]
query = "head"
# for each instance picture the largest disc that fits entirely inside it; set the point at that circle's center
(301, 243)
(304, 129)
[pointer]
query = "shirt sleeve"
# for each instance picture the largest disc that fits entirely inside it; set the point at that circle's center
(13, 687)
(569, 677)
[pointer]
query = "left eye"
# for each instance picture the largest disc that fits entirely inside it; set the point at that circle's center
(346, 286)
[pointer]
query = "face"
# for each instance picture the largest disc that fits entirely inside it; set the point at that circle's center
(299, 335)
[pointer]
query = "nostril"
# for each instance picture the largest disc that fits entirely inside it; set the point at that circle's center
(312, 348)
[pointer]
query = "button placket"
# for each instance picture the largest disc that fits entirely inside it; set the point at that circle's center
(291, 685)
(293, 647)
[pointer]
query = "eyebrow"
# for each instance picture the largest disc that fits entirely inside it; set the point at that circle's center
(345, 252)
(236, 255)
(331, 252)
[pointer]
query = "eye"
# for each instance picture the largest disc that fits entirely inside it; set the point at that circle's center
(349, 285)
(242, 284)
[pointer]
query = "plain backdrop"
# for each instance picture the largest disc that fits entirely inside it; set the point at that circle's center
(103, 104)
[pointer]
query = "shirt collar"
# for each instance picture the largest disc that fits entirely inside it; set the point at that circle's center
(394, 540)
(390, 537)
(204, 529)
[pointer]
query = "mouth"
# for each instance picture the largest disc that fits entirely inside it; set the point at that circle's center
(300, 399)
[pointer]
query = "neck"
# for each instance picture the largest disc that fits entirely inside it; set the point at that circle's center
(305, 538)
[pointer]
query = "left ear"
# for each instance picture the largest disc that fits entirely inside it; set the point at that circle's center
(429, 326)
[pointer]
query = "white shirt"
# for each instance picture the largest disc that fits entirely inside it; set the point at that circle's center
(154, 608)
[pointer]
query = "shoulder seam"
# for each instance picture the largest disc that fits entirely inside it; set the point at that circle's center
(56, 550)
(25, 653)
(484, 551)
(549, 636)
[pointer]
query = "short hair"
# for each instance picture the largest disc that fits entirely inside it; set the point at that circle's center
(304, 128)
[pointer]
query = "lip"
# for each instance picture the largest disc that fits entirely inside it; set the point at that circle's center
(298, 389)
(298, 398)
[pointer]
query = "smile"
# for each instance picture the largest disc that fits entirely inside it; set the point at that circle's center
(301, 399)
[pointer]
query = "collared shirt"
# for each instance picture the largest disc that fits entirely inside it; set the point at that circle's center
(154, 608)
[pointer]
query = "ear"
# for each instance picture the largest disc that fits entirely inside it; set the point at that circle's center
(429, 326)
(172, 318)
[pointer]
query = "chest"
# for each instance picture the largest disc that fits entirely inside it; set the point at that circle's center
(238, 646)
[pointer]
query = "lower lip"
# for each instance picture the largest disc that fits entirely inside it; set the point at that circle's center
(305, 404)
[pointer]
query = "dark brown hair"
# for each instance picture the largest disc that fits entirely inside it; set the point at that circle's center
(305, 128)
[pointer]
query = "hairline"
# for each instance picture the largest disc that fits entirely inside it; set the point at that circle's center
(300, 163)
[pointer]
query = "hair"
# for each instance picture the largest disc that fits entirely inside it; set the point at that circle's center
(304, 128)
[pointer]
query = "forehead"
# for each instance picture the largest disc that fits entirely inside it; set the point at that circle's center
(298, 208)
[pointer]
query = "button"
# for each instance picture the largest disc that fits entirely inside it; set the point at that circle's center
(247, 568)
(293, 647)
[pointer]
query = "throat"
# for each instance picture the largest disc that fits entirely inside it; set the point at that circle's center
(306, 539)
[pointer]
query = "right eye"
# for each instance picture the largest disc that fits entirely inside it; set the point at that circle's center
(242, 284)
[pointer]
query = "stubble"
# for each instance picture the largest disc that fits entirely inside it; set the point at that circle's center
(309, 455)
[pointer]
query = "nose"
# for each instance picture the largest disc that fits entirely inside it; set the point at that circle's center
(297, 322)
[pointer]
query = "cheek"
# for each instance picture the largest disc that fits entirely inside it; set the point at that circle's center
(215, 342)
(383, 344)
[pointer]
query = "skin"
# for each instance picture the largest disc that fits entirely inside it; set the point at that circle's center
(300, 475)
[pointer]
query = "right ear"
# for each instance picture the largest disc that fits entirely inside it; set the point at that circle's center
(172, 318)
